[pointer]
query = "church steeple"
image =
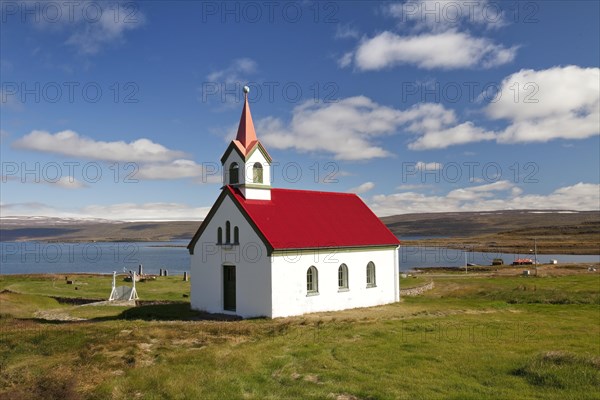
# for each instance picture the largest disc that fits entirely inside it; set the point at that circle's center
(246, 163)
(246, 134)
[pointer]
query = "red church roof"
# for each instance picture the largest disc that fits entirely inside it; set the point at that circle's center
(302, 219)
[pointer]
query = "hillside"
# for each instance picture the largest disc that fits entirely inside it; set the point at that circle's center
(511, 231)
(60, 229)
(560, 232)
(464, 224)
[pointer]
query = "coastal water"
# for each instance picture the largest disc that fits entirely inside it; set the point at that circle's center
(106, 257)
(416, 257)
(96, 257)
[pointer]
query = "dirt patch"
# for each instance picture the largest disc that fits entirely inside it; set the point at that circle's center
(311, 378)
(56, 315)
(343, 396)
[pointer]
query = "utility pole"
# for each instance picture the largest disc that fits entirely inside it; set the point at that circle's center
(535, 255)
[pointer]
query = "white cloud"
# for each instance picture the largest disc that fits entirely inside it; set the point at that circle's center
(446, 50)
(236, 72)
(559, 102)
(346, 59)
(70, 143)
(153, 161)
(91, 25)
(146, 211)
(363, 188)
(430, 166)
(437, 127)
(443, 15)
(91, 37)
(480, 192)
(346, 128)
(346, 31)
(568, 107)
(459, 134)
(119, 212)
(417, 186)
(349, 128)
(68, 182)
(173, 170)
(64, 182)
(179, 169)
(501, 195)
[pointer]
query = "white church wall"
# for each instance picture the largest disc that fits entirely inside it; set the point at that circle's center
(289, 269)
(256, 194)
(253, 279)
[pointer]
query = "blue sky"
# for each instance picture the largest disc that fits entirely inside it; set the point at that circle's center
(122, 110)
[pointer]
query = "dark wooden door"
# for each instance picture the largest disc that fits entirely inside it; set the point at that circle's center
(229, 287)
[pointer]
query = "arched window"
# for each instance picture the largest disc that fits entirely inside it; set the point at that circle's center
(370, 274)
(236, 235)
(220, 235)
(257, 173)
(343, 277)
(227, 232)
(312, 280)
(234, 173)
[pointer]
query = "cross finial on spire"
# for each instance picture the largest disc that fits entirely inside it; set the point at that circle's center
(246, 134)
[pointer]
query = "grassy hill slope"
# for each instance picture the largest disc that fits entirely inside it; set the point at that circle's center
(511, 231)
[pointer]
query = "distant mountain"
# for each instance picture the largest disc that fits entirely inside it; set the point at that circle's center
(555, 232)
(44, 221)
(74, 229)
(450, 225)
(466, 224)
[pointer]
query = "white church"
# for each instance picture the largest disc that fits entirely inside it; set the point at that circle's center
(267, 252)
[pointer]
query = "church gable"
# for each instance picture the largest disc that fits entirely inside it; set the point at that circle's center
(234, 168)
(233, 147)
(258, 146)
(208, 236)
(236, 146)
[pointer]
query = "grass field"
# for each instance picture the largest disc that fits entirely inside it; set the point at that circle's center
(484, 336)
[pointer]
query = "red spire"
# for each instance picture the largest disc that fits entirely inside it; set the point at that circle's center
(246, 134)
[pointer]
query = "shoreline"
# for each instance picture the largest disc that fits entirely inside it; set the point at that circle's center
(417, 270)
(467, 245)
(509, 248)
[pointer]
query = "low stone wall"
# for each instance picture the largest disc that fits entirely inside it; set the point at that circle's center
(415, 291)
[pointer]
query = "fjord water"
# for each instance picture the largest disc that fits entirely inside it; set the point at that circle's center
(106, 257)
(95, 257)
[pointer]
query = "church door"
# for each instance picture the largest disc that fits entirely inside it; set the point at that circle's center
(229, 287)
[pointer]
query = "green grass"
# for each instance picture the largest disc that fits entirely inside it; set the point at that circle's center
(471, 337)
(93, 286)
